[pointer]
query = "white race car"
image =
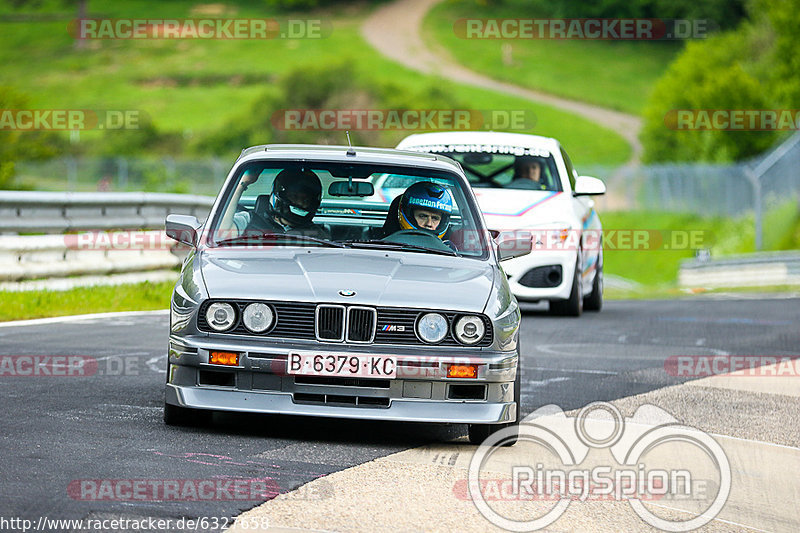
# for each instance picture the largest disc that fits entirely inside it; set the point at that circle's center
(552, 202)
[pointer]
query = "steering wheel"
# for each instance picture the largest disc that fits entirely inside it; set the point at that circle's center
(419, 232)
(401, 236)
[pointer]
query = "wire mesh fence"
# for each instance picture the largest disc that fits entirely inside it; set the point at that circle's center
(700, 188)
(191, 176)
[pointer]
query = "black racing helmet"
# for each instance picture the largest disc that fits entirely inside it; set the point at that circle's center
(296, 195)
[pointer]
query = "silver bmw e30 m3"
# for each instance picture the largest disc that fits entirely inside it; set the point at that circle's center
(302, 294)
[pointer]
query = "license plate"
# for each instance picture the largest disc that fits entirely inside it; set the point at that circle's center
(364, 366)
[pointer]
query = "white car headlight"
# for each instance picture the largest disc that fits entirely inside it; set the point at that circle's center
(257, 317)
(432, 327)
(220, 316)
(470, 329)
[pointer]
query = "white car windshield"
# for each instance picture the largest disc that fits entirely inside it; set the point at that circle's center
(281, 203)
(509, 171)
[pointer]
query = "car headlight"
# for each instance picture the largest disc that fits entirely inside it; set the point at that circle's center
(432, 327)
(257, 317)
(220, 316)
(469, 329)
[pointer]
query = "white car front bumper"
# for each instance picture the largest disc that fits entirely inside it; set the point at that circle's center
(516, 269)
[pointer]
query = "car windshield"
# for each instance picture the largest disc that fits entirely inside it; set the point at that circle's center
(519, 168)
(324, 204)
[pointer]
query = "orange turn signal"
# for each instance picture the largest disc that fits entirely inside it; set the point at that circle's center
(224, 358)
(462, 371)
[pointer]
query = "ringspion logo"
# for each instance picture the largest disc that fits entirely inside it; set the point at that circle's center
(649, 457)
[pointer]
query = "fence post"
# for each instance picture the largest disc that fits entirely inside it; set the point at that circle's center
(72, 173)
(755, 182)
(122, 173)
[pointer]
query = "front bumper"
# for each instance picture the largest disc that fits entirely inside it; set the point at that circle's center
(419, 393)
(516, 268)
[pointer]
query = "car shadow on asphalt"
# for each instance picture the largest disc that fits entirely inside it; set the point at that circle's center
(330, 430)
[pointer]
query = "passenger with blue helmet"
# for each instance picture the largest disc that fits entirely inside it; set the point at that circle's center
(426, 206)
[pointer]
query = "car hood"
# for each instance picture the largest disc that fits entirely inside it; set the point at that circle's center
(378, 277)
(506, 209)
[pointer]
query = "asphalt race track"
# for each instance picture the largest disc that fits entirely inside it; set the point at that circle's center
(59, 430)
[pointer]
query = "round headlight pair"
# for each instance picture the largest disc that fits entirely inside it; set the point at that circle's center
(432, 328)
(257, 317)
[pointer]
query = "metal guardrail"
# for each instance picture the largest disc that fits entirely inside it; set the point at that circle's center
(753, 270)
(61, 212)
(67, 250)
(58, 256)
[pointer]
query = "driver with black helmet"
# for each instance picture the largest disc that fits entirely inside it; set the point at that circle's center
(290, 208)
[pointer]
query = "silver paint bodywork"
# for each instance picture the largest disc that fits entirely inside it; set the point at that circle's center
(378, 278)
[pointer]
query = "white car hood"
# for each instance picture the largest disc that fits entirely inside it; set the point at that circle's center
(507, 209)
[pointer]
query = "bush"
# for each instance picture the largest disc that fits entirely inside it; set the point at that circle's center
(22, 145)
(333, 86)
(712, 74)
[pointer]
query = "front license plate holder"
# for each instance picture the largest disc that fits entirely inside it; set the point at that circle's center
(341, 365)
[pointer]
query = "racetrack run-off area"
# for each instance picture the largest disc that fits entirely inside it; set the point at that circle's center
(60, 430)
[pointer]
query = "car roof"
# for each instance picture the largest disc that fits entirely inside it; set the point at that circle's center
(480, 138)
(353, 154)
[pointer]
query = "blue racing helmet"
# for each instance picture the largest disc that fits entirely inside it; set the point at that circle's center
(428, 196)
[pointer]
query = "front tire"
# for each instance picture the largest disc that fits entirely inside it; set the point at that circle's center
(594, 302)
(480, 432)
(574, 305)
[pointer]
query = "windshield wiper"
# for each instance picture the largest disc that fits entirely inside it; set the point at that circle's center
(266, 237)
(400, 246)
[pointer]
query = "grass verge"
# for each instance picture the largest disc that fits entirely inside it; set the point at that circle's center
(655, 265)
(98, 299)
(192, 87)
(619, 75)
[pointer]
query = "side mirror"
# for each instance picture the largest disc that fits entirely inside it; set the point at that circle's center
(183, 228)
(510, 246)
(588, 186)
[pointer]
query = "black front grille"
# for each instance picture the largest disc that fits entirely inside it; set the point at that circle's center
(397, 326)
(544, 276)
(339, 400)
(330, 322)
(361, 324)
(297, 320)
